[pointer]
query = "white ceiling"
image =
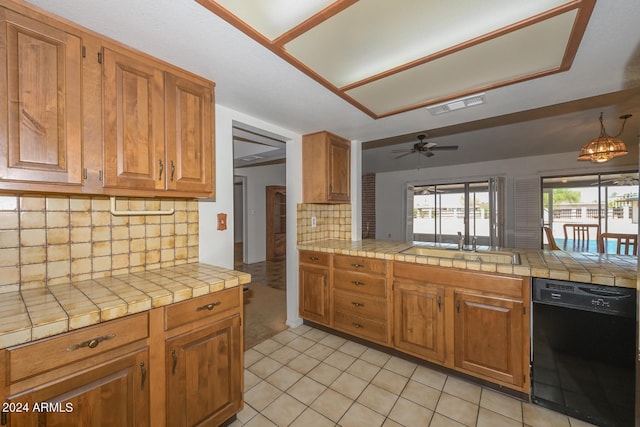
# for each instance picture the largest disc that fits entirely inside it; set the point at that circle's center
(539, 115)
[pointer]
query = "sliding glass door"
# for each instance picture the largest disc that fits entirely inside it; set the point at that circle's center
(598, 203)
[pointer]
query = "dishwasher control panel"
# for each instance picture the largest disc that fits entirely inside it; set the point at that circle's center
(585, 296)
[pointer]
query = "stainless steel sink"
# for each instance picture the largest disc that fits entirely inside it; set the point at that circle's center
(496, 257)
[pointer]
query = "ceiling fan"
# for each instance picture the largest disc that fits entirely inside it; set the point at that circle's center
(423, 147)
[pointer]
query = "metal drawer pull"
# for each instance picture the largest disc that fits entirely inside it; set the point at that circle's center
(208, 306)
(161, 170)
(92, 343)
(357, 325)
(314, 258)
(357, 282)
(357, 304)
(143, 371)
(356, 265)
(173, 169)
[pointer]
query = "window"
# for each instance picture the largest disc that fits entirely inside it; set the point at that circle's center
(605, 202)
(442, 211)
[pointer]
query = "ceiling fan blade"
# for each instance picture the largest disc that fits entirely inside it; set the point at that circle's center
(403, 150)
(427, 153)
(405, 154)
(445, 147)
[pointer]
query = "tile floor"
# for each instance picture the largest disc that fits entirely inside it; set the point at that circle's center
(307, 377)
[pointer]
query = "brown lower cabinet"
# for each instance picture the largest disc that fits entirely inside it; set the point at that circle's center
(488, 336)
(179, 365)
(202, 385)
(473, 322)
(419, 320)
(314, 287)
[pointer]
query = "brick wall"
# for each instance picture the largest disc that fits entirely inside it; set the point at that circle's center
(369, 206)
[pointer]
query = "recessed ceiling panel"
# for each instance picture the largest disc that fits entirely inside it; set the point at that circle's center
(535, 49)
(386, 57)
(272, 18)
(373, 36)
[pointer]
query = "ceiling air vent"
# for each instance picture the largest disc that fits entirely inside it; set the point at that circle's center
(457, 104)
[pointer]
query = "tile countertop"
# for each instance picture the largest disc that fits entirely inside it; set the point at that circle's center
(601, 269)
(31, 314)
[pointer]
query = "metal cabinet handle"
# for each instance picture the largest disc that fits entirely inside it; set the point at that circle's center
(458, 306)
(356, 265)
(357, 325)
(314, 258)
(208, 306)
(357, 304)
(173, 169)
(92, 343)
(143, 372)
(357, 282)
(174, 356)
(161, 170)
(439, 303)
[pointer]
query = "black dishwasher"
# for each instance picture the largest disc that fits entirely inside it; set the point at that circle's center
(583, 350)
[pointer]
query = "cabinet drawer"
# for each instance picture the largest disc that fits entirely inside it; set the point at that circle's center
(360, 264)
(202, 307)
(36, 358)
(361, 305)
(315, 258)
(366, 328)
(361, 283)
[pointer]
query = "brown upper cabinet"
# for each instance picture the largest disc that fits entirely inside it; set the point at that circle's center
(40, 108)
(158, 127)
(83, 114)
(326, 168)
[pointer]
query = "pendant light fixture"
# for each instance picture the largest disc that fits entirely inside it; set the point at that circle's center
(604, 147)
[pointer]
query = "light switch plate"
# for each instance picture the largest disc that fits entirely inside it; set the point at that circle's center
(313, 222)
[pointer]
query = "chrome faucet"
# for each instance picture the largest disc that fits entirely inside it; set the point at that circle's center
(460, 241)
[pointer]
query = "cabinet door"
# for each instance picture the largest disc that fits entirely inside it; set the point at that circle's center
(489, 337)
(133, 123)
(189, 127)
(204, 375)
(419, 320)
(339, 157)
(41, 124)
(114, 394)
(314, 294)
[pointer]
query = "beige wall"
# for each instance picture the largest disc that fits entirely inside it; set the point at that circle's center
(57, 239)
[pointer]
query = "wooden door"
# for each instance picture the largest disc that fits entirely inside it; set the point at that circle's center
(204, 375)
(314, 294)
(339, 158)
(419, 320)
(112, 394)
(276, 222)
(489, 337)
(133, 122)
(41, 124)
(189, 127)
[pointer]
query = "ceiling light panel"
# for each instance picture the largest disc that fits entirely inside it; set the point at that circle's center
(534, 49)
(373, 36)
(272, 18)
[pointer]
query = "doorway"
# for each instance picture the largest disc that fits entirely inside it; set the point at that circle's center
(276, 222)
(240, 234)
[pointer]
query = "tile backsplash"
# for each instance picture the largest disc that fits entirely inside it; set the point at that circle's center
(57, 239)
(332, 222)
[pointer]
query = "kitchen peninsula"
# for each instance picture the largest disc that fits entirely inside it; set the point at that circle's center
(461, 312)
